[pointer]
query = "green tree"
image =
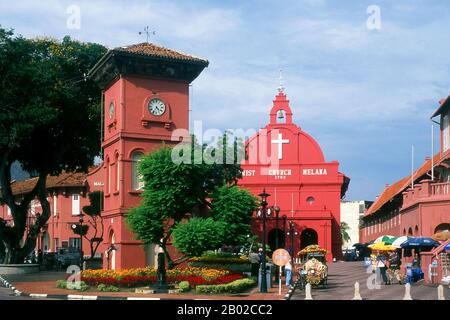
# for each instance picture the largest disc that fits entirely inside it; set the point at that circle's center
(198, 235)
(49, 122)
(177, 181)
(234, 207)
(344, 232)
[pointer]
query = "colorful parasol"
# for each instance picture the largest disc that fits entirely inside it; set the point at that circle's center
(381, 246)
(312, 248)
(416, 242)
(386, 239)
(399, 241)
(441, 236)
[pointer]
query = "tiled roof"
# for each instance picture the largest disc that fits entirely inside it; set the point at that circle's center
(399, 186)
(65, 179)
(443, 106)
(150, 49)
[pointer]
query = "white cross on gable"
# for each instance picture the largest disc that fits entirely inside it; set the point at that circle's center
(280, 142)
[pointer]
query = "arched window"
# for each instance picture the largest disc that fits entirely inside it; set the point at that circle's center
(281, 116)
(136, 178)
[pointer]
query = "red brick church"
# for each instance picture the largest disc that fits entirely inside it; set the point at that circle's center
(289, 164)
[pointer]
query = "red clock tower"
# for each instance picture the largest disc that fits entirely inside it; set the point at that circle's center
(145, 97)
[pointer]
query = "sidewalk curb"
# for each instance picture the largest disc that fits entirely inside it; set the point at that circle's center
(7, 284)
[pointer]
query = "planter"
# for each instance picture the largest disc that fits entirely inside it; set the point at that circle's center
(19, 268)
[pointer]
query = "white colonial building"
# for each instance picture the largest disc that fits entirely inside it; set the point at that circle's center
(351, 212)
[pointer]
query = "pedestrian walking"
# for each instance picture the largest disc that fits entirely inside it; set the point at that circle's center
(288, 272)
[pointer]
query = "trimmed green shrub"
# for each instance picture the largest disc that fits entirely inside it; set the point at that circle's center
(232, 287)
(61, 284)
(105, 288)
(184, 286)
(83, 286)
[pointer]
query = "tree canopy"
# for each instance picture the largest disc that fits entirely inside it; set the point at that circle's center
(49, 122)
(174, 188)
(198, 235)
(234, 207)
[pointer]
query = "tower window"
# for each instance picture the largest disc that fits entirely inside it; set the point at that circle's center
(281, 116)
(310, 200)
(75, 204)
(136, 179)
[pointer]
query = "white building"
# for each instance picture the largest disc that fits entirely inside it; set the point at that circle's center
(351, 211)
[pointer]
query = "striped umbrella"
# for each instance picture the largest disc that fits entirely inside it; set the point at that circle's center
(385, 239)
(399, 240)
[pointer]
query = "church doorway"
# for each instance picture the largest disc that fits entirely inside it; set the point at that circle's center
(272, 239)
(308, 237)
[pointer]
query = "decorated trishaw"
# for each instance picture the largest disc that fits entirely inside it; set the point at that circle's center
(312, 266)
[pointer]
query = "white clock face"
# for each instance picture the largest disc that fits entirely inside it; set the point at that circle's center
(111, 110)
(156, 107)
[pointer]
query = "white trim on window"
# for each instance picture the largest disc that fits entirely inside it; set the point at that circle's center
(55, 203)
(33, 207)
(75, 204)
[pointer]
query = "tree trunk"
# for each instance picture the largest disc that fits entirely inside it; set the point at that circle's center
(17, 253)
(170, 263)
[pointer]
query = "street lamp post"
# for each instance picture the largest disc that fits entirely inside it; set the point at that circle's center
(277, 244)
(263, 212)
(292, 233)
(277, 212)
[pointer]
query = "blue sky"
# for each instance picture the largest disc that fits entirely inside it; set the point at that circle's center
(364, 95)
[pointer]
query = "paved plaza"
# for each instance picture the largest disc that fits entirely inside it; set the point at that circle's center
(343, 275)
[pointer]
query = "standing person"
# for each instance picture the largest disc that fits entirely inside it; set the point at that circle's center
(288, 271)
(382, 267)
(254, 260)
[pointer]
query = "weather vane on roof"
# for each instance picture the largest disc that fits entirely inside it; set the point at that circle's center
(280, 79)
(147, 32)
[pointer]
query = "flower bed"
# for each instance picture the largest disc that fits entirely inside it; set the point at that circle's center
(145, 276)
